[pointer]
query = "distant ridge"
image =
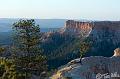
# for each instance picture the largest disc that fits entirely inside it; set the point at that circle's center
(6, 23)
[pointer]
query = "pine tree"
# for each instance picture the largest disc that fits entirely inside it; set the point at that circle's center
(27, 39)
(84, 47)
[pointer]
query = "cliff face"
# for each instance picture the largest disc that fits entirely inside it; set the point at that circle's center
(93, 28)
(105, 35)
(106, 30)
(77, 28)
(91, 68)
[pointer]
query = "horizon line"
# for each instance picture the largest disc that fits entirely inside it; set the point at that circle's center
(58, 19)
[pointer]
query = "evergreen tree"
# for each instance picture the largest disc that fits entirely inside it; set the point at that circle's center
(84, 47)
(27, 39)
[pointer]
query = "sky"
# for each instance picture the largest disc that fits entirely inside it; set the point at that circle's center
(61, 9)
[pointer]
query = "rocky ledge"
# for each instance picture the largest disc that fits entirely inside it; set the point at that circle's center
(94, 67)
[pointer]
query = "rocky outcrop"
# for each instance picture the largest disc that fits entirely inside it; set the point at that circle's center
(78, 28)
(117, 52)
(102, 29)
(91, 68)
(94, 67)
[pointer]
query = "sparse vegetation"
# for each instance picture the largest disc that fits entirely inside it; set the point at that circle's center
(83, 48)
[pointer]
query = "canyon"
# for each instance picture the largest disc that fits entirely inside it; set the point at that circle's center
(103, 34)
(60, 45)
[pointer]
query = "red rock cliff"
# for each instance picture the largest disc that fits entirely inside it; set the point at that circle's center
(76, 27)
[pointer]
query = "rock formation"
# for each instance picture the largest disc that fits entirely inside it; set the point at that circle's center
(94, 28)
(94, 67)
(104, 34)
(117, 52)
(109, 30)
(77, 28)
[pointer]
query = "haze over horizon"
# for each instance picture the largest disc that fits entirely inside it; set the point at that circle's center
(61, 9)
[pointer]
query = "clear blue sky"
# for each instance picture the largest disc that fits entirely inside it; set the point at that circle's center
(54, 9)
